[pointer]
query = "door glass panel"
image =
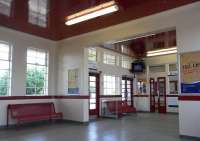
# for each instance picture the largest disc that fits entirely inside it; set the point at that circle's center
(92, 106)
(126, 89)
(161, 90)
(92, 92)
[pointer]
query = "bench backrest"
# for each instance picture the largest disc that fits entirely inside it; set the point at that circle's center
(31, 109)
(114, 106)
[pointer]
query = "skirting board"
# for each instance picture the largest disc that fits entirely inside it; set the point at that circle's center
(189, 137)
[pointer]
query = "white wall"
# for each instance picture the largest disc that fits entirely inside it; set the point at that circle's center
(189, 118)
(20, 42)
(185, 19)
(142, 104)
(74, 109)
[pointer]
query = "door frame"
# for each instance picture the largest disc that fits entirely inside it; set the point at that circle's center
(152, 95)
(95, 111)
(162, 109)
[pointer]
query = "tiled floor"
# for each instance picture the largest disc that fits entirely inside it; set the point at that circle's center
(140, 127)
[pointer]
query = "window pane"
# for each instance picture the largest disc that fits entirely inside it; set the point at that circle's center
(5, 69)
(92, 100)
(92, 106)
(92, 78)
(92, 54)
(3, 90)
(109, 59)
(4, 65)
(111, 85)
(37, 76)
(126, 63)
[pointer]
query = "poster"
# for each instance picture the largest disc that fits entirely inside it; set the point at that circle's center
(190, 72)
(73, 81)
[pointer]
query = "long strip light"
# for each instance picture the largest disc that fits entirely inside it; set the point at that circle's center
(91, 13)
(162, 52)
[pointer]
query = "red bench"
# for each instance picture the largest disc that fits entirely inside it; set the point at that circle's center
(115, 107)
(32, 112)
(119, 107)
(127, 109)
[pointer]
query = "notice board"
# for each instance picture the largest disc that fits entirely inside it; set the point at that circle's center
(190, 73)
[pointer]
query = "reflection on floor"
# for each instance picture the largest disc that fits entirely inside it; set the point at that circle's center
(140, 127)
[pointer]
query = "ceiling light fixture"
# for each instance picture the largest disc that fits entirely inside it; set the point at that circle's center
(91, 13)
(162, 52)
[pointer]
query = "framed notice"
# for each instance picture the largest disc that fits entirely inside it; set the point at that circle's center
(73, 81)
(190, 73)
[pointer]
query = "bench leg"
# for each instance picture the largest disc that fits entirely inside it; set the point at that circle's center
(7, 124)
(18, 125)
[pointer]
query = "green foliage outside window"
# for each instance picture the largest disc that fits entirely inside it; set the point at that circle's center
(35, 81)
(4, 83)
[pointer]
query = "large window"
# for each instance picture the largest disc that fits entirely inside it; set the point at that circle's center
(92, 54)
(111, 85)
(38, 12)
(126, 63)
(110, 59)
(5, 7)
(5, 69)
(37, 72)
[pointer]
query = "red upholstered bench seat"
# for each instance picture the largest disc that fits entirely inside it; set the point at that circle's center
(32, 112)
(119, 107)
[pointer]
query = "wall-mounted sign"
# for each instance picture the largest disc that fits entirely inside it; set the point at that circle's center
(73, 81)
(190, 72)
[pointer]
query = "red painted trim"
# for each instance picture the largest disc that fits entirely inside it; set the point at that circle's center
(172, 95)
(24, 97)
(110, 96)
(142, 95)
(72, 97)
(44, 97)
(189, 98)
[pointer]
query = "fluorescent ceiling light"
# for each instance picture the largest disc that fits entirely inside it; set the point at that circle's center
(162, 52)
(93, 12)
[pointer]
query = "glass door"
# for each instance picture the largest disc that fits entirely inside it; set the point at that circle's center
(127, 90)
(161, 94)
(94, 94)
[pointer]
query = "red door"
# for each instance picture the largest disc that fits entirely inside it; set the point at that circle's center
(94, 94)
(161, 81)
(127, 90)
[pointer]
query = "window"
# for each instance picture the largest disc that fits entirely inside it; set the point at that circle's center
(38, 11)
(173, 86)
(37, 72)
(111, 85)
(5, 7)
(155, 69)
(126, 63)
(5, 69)
(110, 59)
(92, 54)
(172, 67)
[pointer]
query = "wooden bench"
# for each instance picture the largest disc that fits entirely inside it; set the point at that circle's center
(32, 112)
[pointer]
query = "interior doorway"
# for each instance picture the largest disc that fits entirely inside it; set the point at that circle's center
(94, 93)
(127, 90)
(158, 95)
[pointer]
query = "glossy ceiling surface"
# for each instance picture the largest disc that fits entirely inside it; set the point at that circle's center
(60, 9)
